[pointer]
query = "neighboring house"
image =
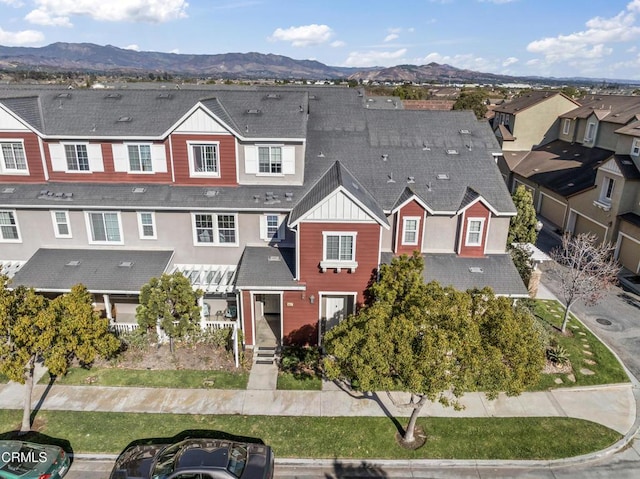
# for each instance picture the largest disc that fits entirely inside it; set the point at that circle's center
(278, 202)
(530, 119)
(588, 181)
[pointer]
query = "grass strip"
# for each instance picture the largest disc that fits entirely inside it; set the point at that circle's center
(182, 378)
(331, 437)
(297, 382)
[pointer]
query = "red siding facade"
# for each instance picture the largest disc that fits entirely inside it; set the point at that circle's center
(33, 155)
(478, 210)
(227, 160)
(411, 209)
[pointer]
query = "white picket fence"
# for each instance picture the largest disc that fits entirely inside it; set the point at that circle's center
(119, 328)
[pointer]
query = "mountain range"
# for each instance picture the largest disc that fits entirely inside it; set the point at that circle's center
(88, 57)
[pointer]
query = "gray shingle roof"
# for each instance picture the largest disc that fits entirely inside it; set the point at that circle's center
(526, 100)
(100, 271)
(616, 109)
(266, 267)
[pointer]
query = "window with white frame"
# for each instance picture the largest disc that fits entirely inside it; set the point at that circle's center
(566, 126)
(13, 158)
(339, 247)
(607, 190)
(77, 157)
(474, 232)
(146, 225)
(203, 159)
(9, 230)
(410, 225)
(211, 228)
(61, 225)
(272, 227)
(270, 159)
(140, 158)
(104, 227)
(591, 132)
(635, 147)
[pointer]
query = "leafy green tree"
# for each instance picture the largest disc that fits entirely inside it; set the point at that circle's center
(170, 303)
(523, 226)
(521, 258)
(436, 343)
(472, 100)
(57, 331)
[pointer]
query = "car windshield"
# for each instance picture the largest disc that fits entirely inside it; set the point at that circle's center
(237, 460)
(166, 461)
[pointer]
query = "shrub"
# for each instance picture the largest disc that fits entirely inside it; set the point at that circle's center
(300, 360)
(558, 355)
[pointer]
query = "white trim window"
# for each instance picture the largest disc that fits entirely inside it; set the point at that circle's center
(9, 230)
(475, 226)
(339, 250)
(140, 158)
(104, 227)
(61, 224)
(215, 229)
(270, 160)
(204, 158)
(272, 227)
(77, 157)
(606, 193)
(566, 126)
(147, 224)
(14, 160)
(635, 147)
(590, 134)
(410, 228)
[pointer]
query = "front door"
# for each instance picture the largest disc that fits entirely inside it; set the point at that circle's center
(335, 311)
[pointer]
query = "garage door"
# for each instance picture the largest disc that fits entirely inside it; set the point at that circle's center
(629, 254)
(552, 210)
(585, 225)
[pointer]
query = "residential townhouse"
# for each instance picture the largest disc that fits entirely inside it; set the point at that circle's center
(587, 178)
(276, 202)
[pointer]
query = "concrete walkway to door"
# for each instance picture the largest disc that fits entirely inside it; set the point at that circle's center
(264, 370)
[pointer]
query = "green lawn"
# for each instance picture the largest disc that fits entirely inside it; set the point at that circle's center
(604, 365)
(3, 379)
(292, 381)
(331, 437)
(183, 378)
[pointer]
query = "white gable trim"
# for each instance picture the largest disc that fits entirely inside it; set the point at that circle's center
(486, 203)
(409, 200)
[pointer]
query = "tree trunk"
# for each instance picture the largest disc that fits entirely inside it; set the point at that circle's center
(409, 432)
(565, 320)
(28, 389)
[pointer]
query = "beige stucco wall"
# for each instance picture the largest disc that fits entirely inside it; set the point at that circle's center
(497, 235)
(607, 137)
(440, 235)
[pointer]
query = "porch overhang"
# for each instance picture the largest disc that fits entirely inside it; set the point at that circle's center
(210, 278)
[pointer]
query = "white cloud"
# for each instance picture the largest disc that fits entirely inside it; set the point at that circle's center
(391, 37)
(133, 47)
(337, 44)
(58, 12)
(374, 58)
(509, 61)
(25, 37)
(497, 2)
(591, 43)
(303, 36)
(13, 3)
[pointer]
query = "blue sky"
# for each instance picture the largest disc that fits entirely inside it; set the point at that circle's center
(591, 38)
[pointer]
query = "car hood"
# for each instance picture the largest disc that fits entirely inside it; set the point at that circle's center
(135, 462)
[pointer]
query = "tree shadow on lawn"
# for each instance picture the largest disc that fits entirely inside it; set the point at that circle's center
(194, 434)
(364, 469)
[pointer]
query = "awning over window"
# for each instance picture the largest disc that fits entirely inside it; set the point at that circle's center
(210, 278)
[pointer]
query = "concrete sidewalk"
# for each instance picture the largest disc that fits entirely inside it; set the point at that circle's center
(613, 406)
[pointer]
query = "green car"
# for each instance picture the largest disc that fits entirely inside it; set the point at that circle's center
(26, 460)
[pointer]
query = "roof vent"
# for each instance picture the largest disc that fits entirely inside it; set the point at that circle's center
(411, 179)
(124, 119)
(425, 146)
(624, 162)
(443, 176)
(384, 157)
(355, 186)
(254, 111)
(465, 132)
(9, 190)
(64, 95)
(571, 184)
(288, 196)
(113, 96)
(164, 96)
(576, 154)
(320, 155)
(452, 151)
(211, 193)
(256, 198)
(273, 96)
(475, 269)
(125, 264)
(313, 97)
(390, 178)
(74, 262)
(139, 189)
(274, 258)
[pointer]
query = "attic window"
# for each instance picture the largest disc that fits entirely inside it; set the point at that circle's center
(452, 152)
(139, 189)
(443, 176)
(74, 262)
(113, 96)
(125, 264)
(124, 119)
(475, 269)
